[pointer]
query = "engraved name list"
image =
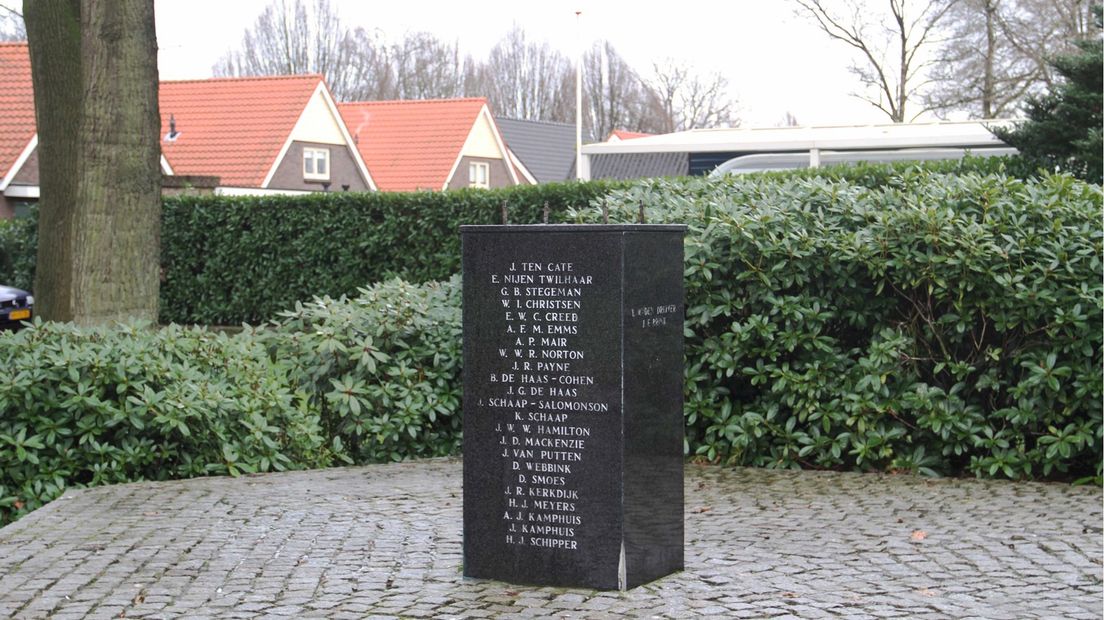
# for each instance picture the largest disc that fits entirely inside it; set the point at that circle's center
(544, 400)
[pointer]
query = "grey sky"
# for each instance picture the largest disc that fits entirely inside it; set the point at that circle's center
(775, 61)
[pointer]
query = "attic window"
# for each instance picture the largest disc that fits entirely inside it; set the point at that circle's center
(479, 175)
(316, 164)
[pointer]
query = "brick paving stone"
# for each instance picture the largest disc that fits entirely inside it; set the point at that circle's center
(385, 541)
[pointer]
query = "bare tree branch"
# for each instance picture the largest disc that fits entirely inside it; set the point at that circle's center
(996, 51)
(12, 27)
(892, 76)
(529, 80)
(691, 100)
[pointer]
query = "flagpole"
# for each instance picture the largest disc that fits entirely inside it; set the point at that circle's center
(579, 96)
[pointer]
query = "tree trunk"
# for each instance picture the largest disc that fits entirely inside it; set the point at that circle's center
(117, 243)
(904, 72)
(53, 34)
(988, 86)
(102, 239)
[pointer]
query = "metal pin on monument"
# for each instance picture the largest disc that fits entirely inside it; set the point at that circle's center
(641, 211)
(605, 211)
(546, 212)
(505, 220)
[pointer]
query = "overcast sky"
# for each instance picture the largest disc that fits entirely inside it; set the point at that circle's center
(774, 60)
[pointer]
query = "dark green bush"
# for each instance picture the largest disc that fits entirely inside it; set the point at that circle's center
(936, 323)
(383, 369)
(18, 245)
(232, 260)
(369, 379)
(874, 175)
(82, 406)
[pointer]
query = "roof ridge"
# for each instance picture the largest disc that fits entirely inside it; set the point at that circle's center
(531, 120)
(247, 78)
(412, 101)
(13, 43)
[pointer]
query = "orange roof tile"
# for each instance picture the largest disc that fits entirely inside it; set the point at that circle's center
(17, 122)
(232, 128)
(411, 145)
(622, 134)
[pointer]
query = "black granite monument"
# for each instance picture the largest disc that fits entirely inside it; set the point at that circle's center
(573, 425)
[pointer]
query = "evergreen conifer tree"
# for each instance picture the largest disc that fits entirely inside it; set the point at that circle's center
(1063, 127)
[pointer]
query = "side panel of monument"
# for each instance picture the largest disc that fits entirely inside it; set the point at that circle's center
(549, 497)
(654, 426)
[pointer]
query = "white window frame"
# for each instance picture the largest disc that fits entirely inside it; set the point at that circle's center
(311, 157)
(479, 174)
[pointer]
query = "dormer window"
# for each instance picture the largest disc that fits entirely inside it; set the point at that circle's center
(316, 164)
(479, 174)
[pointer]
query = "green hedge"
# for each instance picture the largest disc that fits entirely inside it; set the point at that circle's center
(243, 259)
(874, 175)
(938, 323)
(18, 245)
(229, 260)
(233, 260)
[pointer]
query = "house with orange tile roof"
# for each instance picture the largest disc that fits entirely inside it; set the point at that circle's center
(281, 134)
(250, 135)
(434, 145)
(18, 131)
(18, 137)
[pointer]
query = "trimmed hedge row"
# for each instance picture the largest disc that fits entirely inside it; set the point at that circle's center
(234, 260)
(229, 260)
(18, 244)
(873, 175)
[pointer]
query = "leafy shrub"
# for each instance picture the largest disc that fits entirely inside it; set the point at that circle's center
(81, 406)
(18, 245)
(934, 323)
(369, 379)
(876, 175)
(383, 368)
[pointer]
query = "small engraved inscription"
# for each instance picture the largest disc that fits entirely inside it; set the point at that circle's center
(654, 316)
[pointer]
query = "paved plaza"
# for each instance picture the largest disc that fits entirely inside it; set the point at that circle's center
(385, 541)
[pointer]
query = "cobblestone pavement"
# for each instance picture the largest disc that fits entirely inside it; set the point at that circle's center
(385, 541)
